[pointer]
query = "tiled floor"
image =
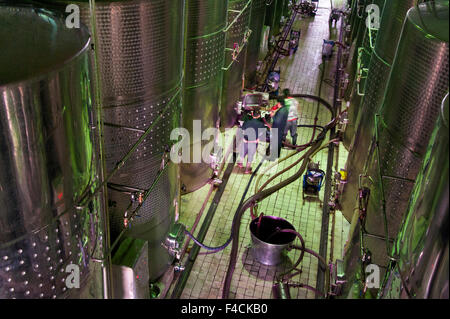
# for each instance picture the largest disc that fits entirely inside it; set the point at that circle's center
(251, 279)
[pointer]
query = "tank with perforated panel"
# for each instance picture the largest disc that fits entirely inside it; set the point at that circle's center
(363, 53)
(422, 245)
(235, 66)
(361, 134)
(139, 58)
(273, 16)
(256, 25)
(416, 88)
(51, 213)
(205, 54)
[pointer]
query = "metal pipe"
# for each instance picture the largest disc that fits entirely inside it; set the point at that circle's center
(328, 184)
(280, 290)
(106, 258)
(287, 28)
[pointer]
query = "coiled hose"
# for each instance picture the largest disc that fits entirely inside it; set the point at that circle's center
(315, 147)
(222, 247)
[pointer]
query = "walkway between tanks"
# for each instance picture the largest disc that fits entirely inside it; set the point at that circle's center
(252, 280)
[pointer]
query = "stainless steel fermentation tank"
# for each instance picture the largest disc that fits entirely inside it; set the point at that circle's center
(50, 217)
(358, 30)
(422, 245)
(362, 53)
(273, 16)
(256, 25)
(363, 109)
(417, 85)
(205, 54)
(139, 57)
(236, 48)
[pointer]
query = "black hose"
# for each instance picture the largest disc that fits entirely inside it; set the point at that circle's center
(260, 196)
(308, 96)
(222, 247)
(311, 126)
(322, 261)
(181, 282)
(300, 285)
(302, 251)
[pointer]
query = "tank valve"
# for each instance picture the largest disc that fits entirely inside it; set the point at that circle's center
(178, 267)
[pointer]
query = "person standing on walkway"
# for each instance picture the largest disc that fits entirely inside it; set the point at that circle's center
(252, 130)
(292, 121)
(280, 115)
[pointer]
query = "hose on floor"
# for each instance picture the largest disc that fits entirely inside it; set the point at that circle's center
(315, 147)
(300, 148)
(222, 247)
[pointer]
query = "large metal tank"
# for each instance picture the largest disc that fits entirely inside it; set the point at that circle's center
(362, 53)
(205, 53)
(417, 85)
(233, 75)
(49, 217)
(139, 54)
(364, 110)
(273, 16)
(422, 245)
(256, 25)
(358, 30)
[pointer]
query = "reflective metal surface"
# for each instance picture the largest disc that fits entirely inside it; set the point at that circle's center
(358, 31)
(418, 83)
(139, 53)
(422, 245)
(256, 25)
(363, 55)
(205, 54)
(130, 270)
(268, 244)
(364, 109)
(233, 76)
(48, 217)
(274, 13)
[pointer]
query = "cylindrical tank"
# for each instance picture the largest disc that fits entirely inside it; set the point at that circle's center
(233, 75)
(256, 25)
(357, 16)
(273, 16)
(418, 83)
(358, 32)
(49, 217)
(382, 57)
(416, 87)
(362, 50)
(205, 53)
(139, 55)
(268, 245)
(422, 244)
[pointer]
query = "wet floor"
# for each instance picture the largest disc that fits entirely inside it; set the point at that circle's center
(252, 280)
